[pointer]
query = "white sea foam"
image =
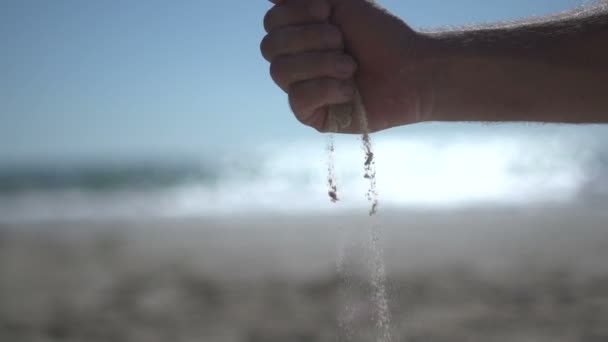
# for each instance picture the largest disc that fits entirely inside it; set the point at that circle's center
(291, 178)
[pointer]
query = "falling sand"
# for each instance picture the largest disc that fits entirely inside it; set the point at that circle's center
(378, 269)
(331, 171)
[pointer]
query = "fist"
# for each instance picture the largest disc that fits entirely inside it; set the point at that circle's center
(308, 60)
(329, 54)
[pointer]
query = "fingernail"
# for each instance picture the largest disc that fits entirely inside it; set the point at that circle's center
(345, 65)
(347, 89)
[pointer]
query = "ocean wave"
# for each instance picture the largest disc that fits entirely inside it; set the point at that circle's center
(420, 171)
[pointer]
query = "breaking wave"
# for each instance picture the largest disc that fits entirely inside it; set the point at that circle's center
(414, 172)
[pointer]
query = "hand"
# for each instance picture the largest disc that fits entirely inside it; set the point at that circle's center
(321, 50)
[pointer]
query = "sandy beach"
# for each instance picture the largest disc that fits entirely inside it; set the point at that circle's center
(536, 274)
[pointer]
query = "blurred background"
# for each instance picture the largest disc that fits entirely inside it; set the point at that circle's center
(155, 186)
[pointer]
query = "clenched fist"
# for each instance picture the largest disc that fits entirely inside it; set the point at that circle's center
(322, 51)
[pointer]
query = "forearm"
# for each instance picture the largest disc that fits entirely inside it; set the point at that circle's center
(552, 70)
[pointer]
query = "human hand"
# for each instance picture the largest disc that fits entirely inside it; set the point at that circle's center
(323, 51)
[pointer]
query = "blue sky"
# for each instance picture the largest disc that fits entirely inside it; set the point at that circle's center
(99, 78)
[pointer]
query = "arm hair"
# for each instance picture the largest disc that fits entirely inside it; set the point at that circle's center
(528, 34)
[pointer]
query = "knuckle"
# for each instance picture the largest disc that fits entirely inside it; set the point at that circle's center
(276, 71)
(301, 119)
(319, 120)
(295, 102)
(321, 127)
(268, 19)
(300, 116)
(300, 100)
(265, 47)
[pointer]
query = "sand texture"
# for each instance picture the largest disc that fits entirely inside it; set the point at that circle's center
(536, 274)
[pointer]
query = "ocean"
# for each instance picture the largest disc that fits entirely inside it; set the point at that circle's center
(449, 171)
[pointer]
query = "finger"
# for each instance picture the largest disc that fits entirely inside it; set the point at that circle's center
(297, 39)
(324, 119)
(289, 69)
(307, 97)
(318, 120)
(339, 117)
(297, 12)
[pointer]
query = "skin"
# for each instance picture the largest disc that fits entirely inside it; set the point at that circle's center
(545, 70)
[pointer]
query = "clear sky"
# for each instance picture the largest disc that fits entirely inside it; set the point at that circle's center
(95, 78)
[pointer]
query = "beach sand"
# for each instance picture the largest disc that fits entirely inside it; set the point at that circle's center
(510, 274)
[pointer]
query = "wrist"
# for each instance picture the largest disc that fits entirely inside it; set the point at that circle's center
(470, 85)
(435, 67)
(504, 89)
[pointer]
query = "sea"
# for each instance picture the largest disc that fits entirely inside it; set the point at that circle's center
(417, 171)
